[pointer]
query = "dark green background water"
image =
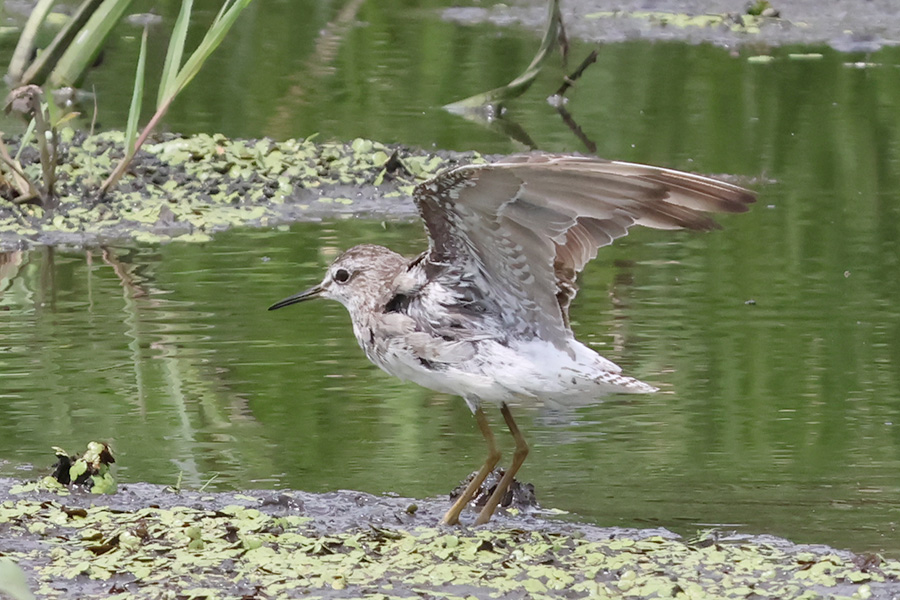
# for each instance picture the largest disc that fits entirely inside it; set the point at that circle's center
(780, 416)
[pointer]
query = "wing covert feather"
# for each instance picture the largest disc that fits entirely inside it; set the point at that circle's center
(525, 226)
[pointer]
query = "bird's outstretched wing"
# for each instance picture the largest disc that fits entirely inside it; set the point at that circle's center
(525, 226)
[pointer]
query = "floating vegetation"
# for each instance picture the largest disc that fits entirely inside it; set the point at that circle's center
(744, 23)
(156, 544)
(187, 188)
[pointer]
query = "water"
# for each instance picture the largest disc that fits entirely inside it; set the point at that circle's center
(776, 341)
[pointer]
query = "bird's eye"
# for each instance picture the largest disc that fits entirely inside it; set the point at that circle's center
(341, 275)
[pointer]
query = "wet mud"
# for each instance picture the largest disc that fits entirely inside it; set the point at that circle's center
(846, 25)
(189, 188)
(147, 541)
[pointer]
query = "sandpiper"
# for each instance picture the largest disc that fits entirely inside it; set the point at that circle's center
(484, 312)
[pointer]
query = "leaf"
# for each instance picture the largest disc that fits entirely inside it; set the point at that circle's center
(104, 483)
(211, 41)
(175, 52)
(25, 46)
(85, 46)
(50, 55)
(26, 139)
(137, 96)
(78, 468)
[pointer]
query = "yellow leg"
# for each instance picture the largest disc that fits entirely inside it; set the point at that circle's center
(518, 458)
(493, 457)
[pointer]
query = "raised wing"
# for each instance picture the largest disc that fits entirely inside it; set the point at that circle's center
(523, 227)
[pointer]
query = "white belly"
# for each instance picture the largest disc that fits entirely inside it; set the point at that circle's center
(492, 372)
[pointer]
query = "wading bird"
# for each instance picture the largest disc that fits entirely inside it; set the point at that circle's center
(484, 312)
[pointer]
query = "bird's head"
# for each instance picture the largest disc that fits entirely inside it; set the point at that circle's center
(359, 279)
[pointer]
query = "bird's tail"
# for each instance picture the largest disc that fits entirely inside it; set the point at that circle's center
(622, 384)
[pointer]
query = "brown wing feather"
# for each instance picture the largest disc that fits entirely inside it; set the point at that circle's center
(528, 224)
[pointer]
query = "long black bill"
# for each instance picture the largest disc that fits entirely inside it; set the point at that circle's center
(306, 295)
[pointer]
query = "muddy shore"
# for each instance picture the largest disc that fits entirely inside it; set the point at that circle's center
(189, 188)
(846, 25)
(148, 541)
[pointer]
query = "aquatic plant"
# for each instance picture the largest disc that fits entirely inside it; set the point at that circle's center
(175, 76)
(64, 62)
(45, 120)
(489, 105)
(66, 59)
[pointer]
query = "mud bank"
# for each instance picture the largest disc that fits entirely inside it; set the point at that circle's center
(147, 541)
(846, 25)
(188, 188)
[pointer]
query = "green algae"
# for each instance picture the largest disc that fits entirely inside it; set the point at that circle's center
(242, 550)
(187, 188)
(745, 23)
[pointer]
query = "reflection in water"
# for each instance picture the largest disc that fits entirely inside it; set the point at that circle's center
(496, 120)
(10, 262)
(317, 66)
(117, 360)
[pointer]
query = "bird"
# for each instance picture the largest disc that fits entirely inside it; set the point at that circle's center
(483, 312)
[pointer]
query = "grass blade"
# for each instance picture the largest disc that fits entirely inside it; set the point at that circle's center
(25, 46)
(26, 139)
(137, 96)
(175, 51)
(85, 46)
(211, 41)
(48, 58)
(221, 12)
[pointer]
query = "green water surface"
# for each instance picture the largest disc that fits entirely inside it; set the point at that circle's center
(775, 342)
